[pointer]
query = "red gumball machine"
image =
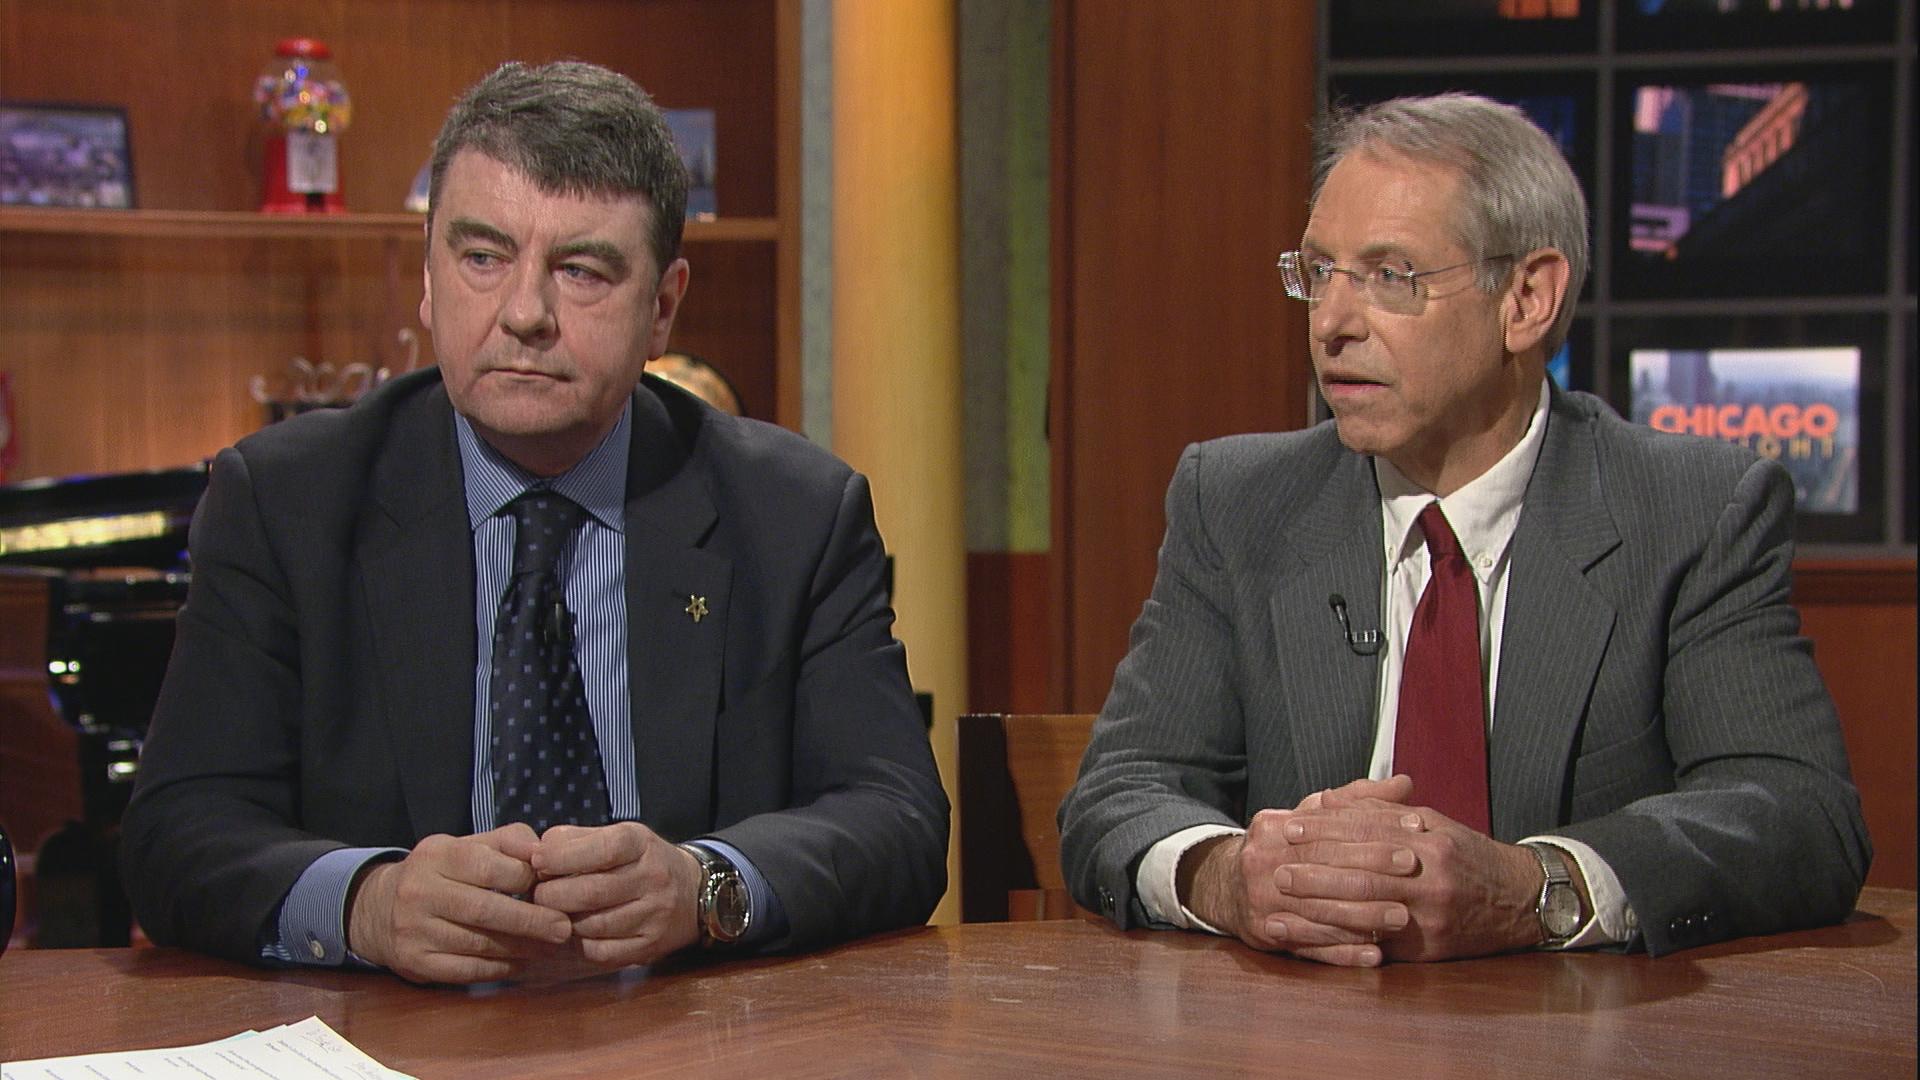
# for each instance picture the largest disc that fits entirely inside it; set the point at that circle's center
(306, 107)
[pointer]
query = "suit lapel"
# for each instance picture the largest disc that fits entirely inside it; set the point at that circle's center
(416, 559)
(1329, 689)
(678, 603)
(1557, 626)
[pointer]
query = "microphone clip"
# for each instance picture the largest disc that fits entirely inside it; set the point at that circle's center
(1363, 643)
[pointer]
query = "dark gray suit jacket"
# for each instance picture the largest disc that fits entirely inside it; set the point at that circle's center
(321, 689)
(1655, 699)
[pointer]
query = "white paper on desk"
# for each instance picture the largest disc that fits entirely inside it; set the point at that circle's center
(308, 1050)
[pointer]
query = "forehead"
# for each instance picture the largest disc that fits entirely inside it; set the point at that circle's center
(486, 189)
(1381, 201)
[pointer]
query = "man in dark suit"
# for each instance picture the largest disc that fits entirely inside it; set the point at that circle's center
(1625, 742)
(330, 775)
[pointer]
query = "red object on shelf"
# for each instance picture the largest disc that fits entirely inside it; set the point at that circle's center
(278, 198)
(301, 96)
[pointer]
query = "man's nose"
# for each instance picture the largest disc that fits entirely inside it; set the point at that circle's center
(527, 311)
(1337, 314)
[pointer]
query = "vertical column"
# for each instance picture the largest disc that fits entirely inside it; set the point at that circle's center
(896, 326)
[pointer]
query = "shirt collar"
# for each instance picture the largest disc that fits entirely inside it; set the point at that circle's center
(1484, 512)
(598, 482)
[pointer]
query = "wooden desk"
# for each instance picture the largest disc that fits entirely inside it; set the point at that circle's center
(1050, 999)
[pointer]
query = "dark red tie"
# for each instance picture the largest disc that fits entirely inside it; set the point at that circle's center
(1440, 738)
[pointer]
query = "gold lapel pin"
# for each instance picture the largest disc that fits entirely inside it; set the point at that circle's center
(697, 607)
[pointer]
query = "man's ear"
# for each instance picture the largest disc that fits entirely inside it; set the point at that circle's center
(666, 304)
(1534, 299)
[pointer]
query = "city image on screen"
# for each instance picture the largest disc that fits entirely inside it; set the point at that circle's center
(1799, 406)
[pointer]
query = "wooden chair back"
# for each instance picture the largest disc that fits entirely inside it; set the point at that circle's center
(1014, 771)
(39, 750)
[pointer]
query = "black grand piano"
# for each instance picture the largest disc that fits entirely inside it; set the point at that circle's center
(109, 555)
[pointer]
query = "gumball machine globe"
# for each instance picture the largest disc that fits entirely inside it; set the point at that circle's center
(305, 107)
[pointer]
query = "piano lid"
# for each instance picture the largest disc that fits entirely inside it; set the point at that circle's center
(113, 519)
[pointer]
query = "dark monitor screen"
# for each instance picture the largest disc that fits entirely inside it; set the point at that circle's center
(1760, 182)
(1709, 24)
(1359, 28)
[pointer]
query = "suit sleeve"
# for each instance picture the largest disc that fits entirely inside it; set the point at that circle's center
(862, 847)
(1169, 749)
(208, 843)
(1761, 830)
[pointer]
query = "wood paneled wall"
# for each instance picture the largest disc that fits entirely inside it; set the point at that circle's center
(133, 352)
(1181, 158)
(184, 70)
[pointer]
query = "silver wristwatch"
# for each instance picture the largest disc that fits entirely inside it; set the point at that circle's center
(1559, 903)
(724, 913)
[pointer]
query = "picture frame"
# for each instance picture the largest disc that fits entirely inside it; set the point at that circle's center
(69, 156)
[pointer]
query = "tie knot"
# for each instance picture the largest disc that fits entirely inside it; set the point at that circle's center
(1441, 543)
(544, 520)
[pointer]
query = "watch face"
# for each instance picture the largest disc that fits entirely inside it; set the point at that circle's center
(1561, 914)
(730, 907)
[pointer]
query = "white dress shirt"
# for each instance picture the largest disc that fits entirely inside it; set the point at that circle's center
(1484, 514)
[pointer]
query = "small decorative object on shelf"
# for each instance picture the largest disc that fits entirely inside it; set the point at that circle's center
(306, 107)
(693, 137)
(311, 386)
(65, 155)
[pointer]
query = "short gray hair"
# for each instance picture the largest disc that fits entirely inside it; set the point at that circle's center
(1517, 192)
(573, 129)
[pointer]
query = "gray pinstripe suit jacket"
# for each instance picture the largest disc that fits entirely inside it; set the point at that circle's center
(1655, 699)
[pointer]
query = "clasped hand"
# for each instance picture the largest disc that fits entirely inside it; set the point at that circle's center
(1356, 876)
(508, 904)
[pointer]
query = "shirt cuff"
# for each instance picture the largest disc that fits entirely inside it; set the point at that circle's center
(1154, 883)
(1612, 921)
(312, 926)
(766, 919)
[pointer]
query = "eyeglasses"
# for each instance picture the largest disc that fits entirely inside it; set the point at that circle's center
(1394, 289)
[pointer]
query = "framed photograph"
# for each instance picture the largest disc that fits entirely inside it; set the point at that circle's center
(1726, 183)
(693, 137)
(65, 155)
(1806, 390)
(1370, 28)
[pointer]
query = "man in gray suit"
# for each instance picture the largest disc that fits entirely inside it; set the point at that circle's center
(1650, 757)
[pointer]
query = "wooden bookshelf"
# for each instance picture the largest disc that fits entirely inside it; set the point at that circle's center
(131, 336)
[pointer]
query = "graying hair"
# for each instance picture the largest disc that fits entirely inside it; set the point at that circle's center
(1517, 192)
(573, 129)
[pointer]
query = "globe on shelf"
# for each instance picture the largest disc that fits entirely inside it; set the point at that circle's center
(305, 106)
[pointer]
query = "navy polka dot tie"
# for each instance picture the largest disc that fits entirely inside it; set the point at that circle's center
(546, 760)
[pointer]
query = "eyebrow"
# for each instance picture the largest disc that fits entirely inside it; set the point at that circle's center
(461, 230)
(612, 257)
